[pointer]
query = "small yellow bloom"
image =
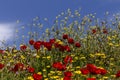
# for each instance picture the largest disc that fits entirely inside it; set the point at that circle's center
(76, 58)
(2, 62)
(45, 48)
(100, 54)
(72, 69)
(39, 73)
(5, 57)
(49, 74)
(59, 42)
(44, 70)
(14, 55)
(55, 77)
(104, 57)
(78, 67)
(111, 64)
(61, 78)
(77, 72)
(91, 55)
(114, 36)
(105, 77)
(37, 56)
(52, 72)
(8, 54)
(82, 58)
(65, 28)
(96, 60)
(73, 61)
(44, 76)
(110, 44)
(15, 51)
(48, 66)
(11, 60)
(109, 38)
(113, 76)
(111, 58)
(117, 45)
(53, 46)
(30, 78)
(22, 57)
(72, 55)
(100, 67)
(46, 79)
(48, 57)
(44, 57)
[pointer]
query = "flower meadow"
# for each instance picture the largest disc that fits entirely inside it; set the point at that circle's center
(76, 47)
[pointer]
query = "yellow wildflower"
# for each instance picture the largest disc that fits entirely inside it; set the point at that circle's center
(52, 72)
(44, 70)
(39, 73)
(77, 72)
(46, 79)
(15, 51)
(55, 77)
(76, 58)
(30, 78)
(111, 58)
(82, 58)
(22, 57)
(113, 76)
(37, 56)
(109, 38)
(91, 55)
(48, 57)
(48, 66)
(53, 46)
(110, 44)
(105, 77)
(5, 57)
(77, 67)
(11, 60)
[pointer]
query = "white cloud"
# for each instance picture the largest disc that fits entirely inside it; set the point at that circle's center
(6, 31)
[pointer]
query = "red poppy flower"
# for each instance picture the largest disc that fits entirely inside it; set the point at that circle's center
(1, 65)
(105, 31)
(77, 44)
(97, 71)
(70, 40)
(57, 45)
(118, 74)
(37, 76)
(23, 47)
(59, 66)
(91, 66)
(84, 71)
(94, 31)
(18, 66)
(61, 48)
(37, 45)
(2, 51)
(48, 45)
(31, 42)
(52, 41)
(92, 69)
(103, 71)
(91, 79)
(67, 78)
(65, 36)
(31, 69)
(67, 59)
(67, 48)
(68, 74)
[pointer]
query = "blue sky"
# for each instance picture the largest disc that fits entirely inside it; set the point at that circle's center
(26, 10)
